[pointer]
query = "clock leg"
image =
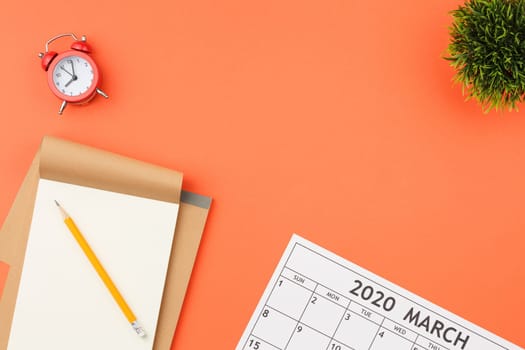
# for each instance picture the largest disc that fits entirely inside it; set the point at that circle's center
(102, 93)
(62, 107)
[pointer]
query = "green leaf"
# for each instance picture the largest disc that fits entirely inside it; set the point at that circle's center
(487, 50)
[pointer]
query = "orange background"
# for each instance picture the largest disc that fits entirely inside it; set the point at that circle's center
(334, 119)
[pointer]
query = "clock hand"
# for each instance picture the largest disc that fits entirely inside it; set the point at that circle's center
(62, 67)
(73, 78)
(72, 67)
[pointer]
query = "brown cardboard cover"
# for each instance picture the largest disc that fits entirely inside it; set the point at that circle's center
(69, 162)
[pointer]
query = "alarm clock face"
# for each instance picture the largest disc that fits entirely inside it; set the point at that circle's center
(73, 77)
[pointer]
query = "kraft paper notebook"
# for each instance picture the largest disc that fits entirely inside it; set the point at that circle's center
(104, 171)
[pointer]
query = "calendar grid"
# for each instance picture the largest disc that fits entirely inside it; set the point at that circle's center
(389, 289)
(299, 320)
(442, 347)
(338, 325)
(375, 336)
(300, 311)
(332, 338)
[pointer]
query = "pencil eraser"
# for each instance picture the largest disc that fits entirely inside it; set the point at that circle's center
(138, 329)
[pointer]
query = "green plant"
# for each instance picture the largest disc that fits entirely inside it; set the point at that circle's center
(487, 49)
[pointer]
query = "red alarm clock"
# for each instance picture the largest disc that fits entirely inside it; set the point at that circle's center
(72, 75)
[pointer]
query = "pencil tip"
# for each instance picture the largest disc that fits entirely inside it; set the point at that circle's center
(64, 214)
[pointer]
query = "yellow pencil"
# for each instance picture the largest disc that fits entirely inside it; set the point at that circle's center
(101, 272)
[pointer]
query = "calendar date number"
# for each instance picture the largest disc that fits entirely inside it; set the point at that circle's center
(376, 297)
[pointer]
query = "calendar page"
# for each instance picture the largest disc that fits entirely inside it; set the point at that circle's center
(317, 300)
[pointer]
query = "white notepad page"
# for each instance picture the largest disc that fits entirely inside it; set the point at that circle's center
(62, 303)
(317, 300)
